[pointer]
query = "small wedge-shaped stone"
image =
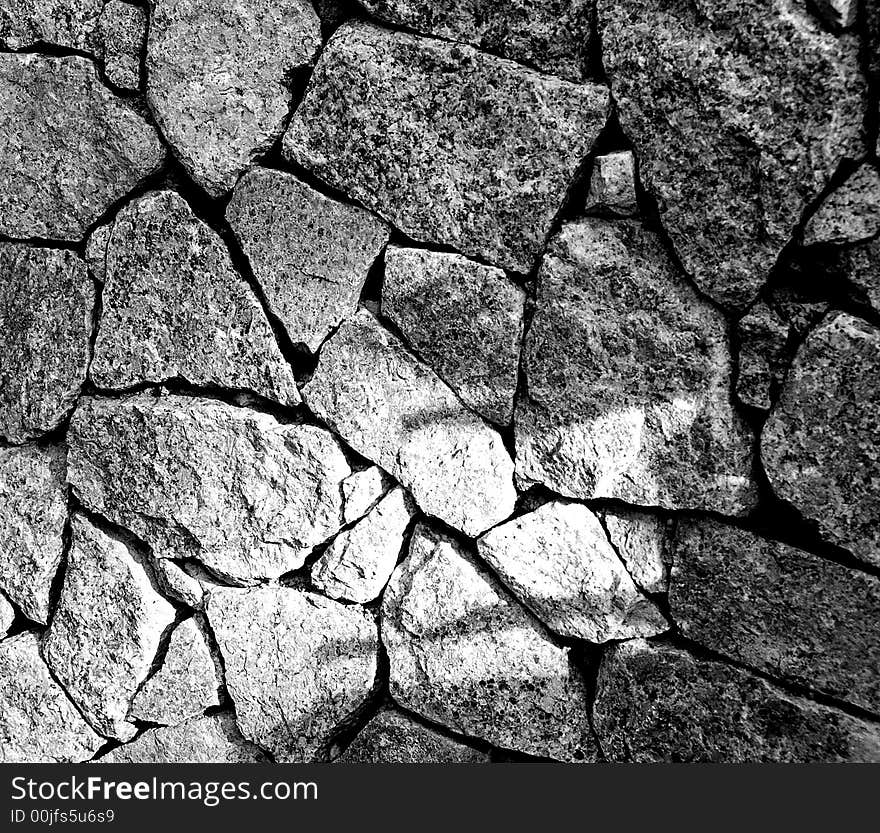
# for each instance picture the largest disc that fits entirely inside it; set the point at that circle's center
(394, 410)
(819, 446)
(362, 490)
(558, 562)
(613, 186)
(450, 145)
(106, 628)
(7, 615)
(46, 304)
(465, 655)
(297, 665)
(177, 583)
(462, 318)
(65, 23)
(763, 337)
(849, 214)
(175, 307)
(310, 254)
(628, 377)
(33, 511)
(217, 79)
(642, 541)
(38, 723)
(123, 29)
(245, 495)
(656, 703)
(70, 148)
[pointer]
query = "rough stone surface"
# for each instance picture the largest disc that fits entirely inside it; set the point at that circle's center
(7, 615)
(763, 337)
(451, 145)
(642, 541)
(463, 319)
(613, 186)
(850, 213)
(123, 28)
(362, 490)
(65, 23)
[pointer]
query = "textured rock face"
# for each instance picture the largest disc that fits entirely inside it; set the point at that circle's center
(466, 656)
(66, 23)
(628, 377)
(739, 113)
(175, 307)
(641, 540)
(464, 319)
(194, 478)
(217, 79)
(660, 704)
(395, 411)
(395, 120)
(763, 337)
(297, 665)
(819, 445)
(613, 186)
(123, 29)
(310, 254)
(849, 214)
(70, 147)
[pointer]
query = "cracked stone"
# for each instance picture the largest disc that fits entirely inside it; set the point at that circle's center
(7, 615)
(628, 376)
(763, 337)
(613, 186)
(106, 628)
(642, 541)
(235, 489)
(298, 666)
(309, 253)
(123, 28)
(175, 582)
(174, 306)
(395, 411)
(656, 703)
(71, 148)
(466, 656)
(839, 14)
(849, 214)
(464, 319)
(217, 79)
(362, 490)
(450, 145)
(66, 23)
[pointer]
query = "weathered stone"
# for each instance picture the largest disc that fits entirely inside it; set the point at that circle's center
(819, 444)
(362, 490)
(311, 254)
(839, 14)
(451, 145)
(175, 307)
(763, 337)
(659, 704)
(613, 186)
(466, 656)
(217, 79)
(642, 541)
(70, 148)
(33, 511)
(297, 665)
(7, 615)
(38, 723)
(106, 628)
(462, 318)
(46, 302)
(628, 376)
(557, 560)
(66, 23)
(850, 213)
(398, 413)
(740, 112)
(175, 582)
(245, 495)
(123, 28)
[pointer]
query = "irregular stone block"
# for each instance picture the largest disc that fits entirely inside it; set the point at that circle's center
(642, 541)
(66, 23)
(850, 213)
(763, 337)
(362, 490)
(613, 186)
(176, 583)
(123, 28)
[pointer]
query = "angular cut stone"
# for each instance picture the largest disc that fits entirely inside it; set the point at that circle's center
(466, 656)
(70, 148)
(763, 337)
(450, 145)
(106, 628)
(740, 113)
(849, 214)
(613, 186)
(175, 307)
(66, 23)
(233, 488)
(175, 582)
(642, 541)
(297, 665)
(362, 490)
(396, 411)
(217, 79)
(628, 377)
(311, 254)
(123, 28)
(463, 319)
(656, 703)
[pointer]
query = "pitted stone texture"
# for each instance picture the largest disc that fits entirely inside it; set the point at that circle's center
(466, 656)
(33, 511)
(38, 723)
(178, 584)
(659, 704)
(850, 213)
(66, 23)
(362, 490)
(46, 304)
(7, 615)
(394, 410)
(106, 629)
(784, 611)
(740, 112)
(642, 541)
(819, 446)
(628, 377)
(123, 28)
(70, 148)
(245, 495)
(309, 253)
(763, 337)
(297, 665)
(451, 145)
(557, 560)
(217, 79)
(613, 186)
(175, 307)
(463, 319)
